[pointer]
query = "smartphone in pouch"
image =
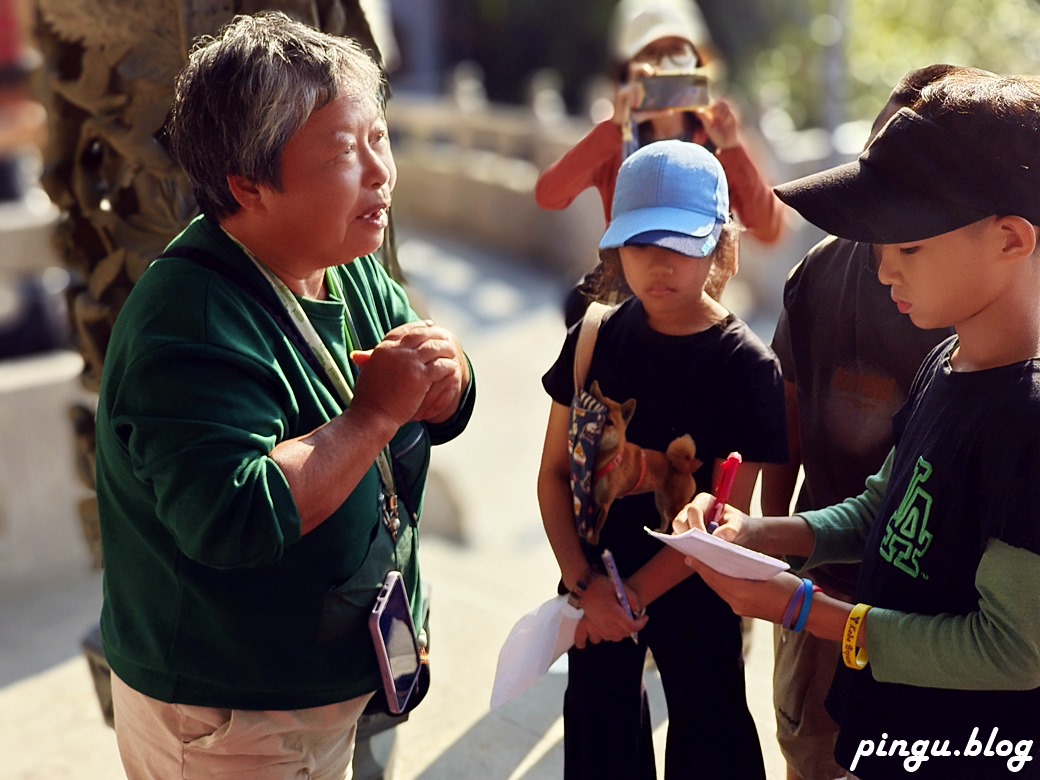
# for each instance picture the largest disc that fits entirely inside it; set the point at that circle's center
(393, 636)
(673, 91)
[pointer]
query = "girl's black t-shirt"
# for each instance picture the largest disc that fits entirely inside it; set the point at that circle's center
(722, 386)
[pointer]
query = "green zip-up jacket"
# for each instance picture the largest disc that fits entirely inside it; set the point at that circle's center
(211, 595)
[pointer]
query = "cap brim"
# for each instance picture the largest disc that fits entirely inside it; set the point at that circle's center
(663, 30)
(689, 246)
(692, 225)
(856, 202)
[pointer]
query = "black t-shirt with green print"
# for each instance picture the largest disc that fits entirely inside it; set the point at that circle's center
(965, 473)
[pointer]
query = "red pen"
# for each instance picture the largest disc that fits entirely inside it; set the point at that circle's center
(723, 489)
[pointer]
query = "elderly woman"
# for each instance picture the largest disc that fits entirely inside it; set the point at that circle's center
(265, 421)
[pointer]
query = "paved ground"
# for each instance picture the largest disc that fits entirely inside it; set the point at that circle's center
(486, 557)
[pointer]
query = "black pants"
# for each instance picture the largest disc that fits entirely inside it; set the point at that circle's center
(696, 642)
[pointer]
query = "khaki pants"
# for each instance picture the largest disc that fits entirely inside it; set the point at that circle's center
(158, 740)
(803, 669)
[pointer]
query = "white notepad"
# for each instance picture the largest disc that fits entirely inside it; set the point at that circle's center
(725, 557)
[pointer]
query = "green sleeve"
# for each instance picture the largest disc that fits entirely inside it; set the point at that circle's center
(198, 424)
(841, 530)
(995, 648)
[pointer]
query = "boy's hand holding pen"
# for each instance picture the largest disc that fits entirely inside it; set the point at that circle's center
(707, 512)
(723, 490)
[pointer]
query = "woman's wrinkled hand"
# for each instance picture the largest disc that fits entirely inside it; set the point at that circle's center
(417, 372)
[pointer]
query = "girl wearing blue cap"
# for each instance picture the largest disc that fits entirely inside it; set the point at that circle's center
(693, 368)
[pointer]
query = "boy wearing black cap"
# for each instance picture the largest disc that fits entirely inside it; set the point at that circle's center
(695, 369)
(848, 358)
(941, 652)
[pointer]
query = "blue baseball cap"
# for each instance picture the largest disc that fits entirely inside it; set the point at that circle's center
(671, 194)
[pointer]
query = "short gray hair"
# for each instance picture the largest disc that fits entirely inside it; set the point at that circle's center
(245, 92)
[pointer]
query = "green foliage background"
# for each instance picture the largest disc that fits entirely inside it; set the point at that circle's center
(883, 39)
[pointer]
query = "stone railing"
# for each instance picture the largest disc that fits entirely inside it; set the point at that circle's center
(470, 170)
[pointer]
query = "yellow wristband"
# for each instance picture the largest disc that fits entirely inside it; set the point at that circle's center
(855, 658)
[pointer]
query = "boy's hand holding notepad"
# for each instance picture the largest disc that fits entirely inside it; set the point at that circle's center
(725, 557)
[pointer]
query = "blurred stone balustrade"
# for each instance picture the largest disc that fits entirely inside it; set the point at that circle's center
(468, 167)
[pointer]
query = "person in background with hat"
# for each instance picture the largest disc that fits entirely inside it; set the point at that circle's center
(693, 368)
(849, 358)
(648, 39)
(940, 673)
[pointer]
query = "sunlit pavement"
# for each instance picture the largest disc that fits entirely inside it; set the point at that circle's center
(484, 552)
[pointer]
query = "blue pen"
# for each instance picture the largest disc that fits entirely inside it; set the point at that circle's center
(619, 589)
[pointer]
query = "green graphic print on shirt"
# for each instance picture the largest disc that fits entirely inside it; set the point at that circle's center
(907, 538)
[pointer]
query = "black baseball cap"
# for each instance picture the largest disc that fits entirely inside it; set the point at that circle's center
(918, 179)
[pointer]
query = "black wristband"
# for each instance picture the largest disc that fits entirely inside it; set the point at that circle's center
(574, 599)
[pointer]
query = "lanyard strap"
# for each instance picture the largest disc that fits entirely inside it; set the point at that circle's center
(391, 516)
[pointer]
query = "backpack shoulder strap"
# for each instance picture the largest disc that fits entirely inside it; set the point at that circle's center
(594, 317)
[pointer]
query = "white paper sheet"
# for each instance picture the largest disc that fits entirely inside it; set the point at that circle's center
(535, 642)
(725, 557)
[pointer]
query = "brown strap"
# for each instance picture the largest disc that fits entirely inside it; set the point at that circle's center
(594, 316)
